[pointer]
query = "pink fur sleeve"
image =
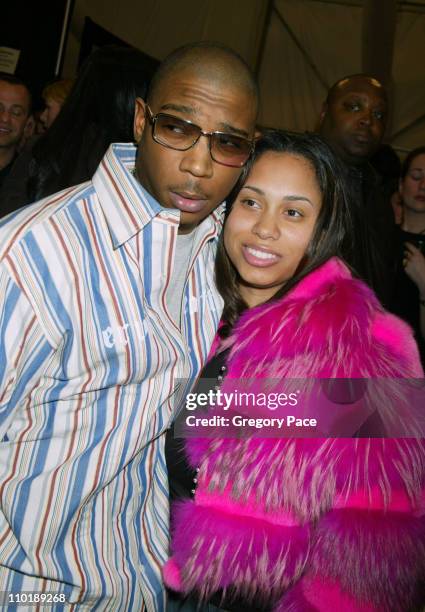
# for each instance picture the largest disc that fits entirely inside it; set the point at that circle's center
(397, 336)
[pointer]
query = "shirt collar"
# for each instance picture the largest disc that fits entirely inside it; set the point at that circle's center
(127, 206)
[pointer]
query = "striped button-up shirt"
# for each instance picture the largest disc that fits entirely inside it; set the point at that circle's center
(89, 359)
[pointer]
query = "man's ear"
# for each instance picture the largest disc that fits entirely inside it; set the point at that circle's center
(322, 116)
(29, 126)
(139, 119)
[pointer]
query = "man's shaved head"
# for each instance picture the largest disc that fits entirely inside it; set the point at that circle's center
(361, 79)
(213, 61)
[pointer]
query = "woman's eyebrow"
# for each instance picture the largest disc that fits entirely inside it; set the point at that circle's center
(287, 198)
(256, 189)
(296, 198)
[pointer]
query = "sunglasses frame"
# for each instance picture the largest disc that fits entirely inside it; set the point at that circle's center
(153, 119)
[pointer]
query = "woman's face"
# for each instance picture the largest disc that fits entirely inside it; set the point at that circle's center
(412, 186)
(51, 111)
(271, 223)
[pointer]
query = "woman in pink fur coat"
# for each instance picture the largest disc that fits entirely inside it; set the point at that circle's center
(299, 524)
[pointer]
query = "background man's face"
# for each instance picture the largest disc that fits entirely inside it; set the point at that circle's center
(14, 113)
(190, 180)
(354, 120)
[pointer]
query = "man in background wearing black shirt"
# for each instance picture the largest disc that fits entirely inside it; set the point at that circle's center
(353, 120)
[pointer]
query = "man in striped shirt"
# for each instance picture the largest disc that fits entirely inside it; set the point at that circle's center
(107, 298)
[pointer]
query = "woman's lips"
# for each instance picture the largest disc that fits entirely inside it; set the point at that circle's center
(187, 202)
(259, 257)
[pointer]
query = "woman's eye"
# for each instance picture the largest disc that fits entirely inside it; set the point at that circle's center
(250, 203)
(291, 212)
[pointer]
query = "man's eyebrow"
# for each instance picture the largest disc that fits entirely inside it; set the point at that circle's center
(17, 106)
(226, 127)
(363, 95)
(180, 108)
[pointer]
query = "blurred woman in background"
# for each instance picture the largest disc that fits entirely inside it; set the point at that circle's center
(409, 297)
(54, 95)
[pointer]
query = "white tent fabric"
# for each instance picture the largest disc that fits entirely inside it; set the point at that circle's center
(409, 81)
(330, 36)
(159, 26)
(292, 91)
(300, 47)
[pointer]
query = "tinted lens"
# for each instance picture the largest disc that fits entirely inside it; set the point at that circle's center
(230, 150)
(175, 132)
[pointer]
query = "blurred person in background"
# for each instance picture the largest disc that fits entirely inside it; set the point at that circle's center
(15, 113)
(409, 293)
(353, 121)
(54, 96)
(98, 111)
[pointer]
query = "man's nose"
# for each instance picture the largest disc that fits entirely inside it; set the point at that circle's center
(197, 160)
(4, 115)
(366, 118)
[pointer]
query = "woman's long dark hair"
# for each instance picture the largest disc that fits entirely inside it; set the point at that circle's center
(333, 226)
(99, 110)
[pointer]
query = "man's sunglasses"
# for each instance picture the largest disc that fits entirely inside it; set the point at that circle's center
(181, 135)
